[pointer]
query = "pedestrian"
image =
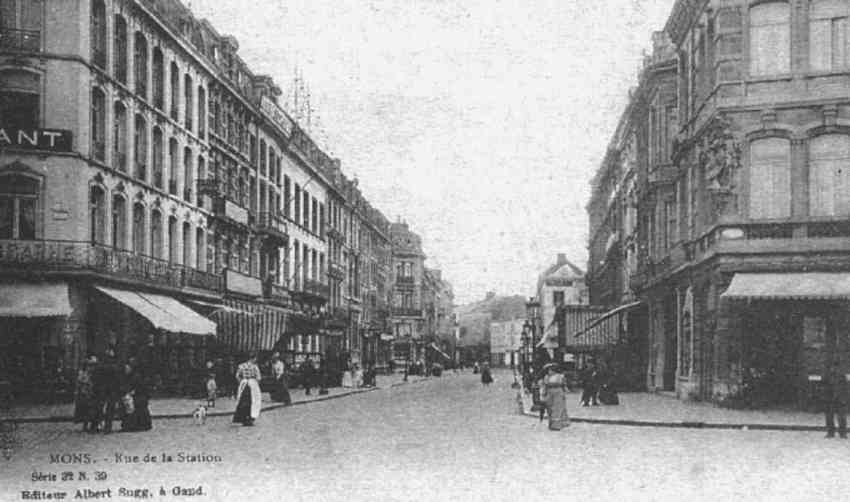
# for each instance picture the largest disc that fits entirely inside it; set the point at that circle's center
(588, 389)
(107, 388)
(486, 377)
(553, 393)
(307, 373)
(358, 376)
(148, 366)
(211, 385)
(347, 377)
(248, 397)
(280, 391)
(85, 403)
(475, 368)
(836, 399)
(135, 400)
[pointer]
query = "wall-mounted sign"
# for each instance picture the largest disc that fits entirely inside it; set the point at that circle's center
(276, 115)
(55, 140)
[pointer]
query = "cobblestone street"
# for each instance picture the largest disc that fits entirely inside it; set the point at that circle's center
(441, 439)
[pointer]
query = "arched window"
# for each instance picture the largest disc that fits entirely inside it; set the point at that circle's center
(97, 215)
(770, 178)
(200, 249)
(119, 137)
(829, 175)
(202, 112)
(829, 45)
(20, 99)
(119, 222)
(140, 65)
(172, 239)
(172, 166)
(770, 39)
(188, 178)
(175, 90)
(139, 232)
(120, 57)
(263, 157)
(98, 124)
(156, 233)
(140, 147)
(158, 77)
(158, 152)
(98, 33)
(187, 245)
(188, 87)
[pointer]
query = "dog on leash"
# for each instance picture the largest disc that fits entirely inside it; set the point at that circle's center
(200, 414)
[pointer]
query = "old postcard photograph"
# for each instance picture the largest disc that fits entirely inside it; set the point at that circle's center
(424, 250)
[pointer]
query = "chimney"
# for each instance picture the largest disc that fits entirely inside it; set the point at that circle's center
(562, 259)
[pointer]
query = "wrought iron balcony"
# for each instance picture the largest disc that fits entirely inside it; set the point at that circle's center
(56, 257)
(405, 279)
(20, 40)
(317, 288)
(210, 186)
(272, 224)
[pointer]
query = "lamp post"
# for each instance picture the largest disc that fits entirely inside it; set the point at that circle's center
(532, 309)
(524, 366)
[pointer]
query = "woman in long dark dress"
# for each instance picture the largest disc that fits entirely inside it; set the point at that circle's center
(248, 396)
(137, 416)
(486, 376)
(85, 403)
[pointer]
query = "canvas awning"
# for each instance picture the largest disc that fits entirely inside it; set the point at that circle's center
(163, 312)
(434, 346)
(217, 308)
(787, 286)
(616, 310)
(34, 300)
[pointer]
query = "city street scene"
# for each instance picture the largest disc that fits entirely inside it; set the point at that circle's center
(420, 250)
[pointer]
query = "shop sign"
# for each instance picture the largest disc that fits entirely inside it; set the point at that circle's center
(54, 140)
(15, 251)
(274, 113)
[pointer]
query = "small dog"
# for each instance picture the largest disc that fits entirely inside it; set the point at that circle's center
(200, 414)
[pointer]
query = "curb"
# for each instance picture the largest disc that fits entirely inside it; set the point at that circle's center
(169, 416)
(691, 425)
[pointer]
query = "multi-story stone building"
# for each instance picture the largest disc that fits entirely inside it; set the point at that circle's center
(744, 221)
(506, 342)
(144, 169)
(562, 283)
(408, 268)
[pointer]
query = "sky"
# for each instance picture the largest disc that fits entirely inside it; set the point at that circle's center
(479, 122)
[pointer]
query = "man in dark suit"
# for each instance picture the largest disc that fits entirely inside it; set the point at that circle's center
(107, 387)
(836, 399)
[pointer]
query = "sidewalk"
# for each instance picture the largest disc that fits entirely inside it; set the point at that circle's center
(645, 409)
(184, 407)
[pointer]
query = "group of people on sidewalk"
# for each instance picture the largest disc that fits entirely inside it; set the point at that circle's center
(107, 390)
(355, 377)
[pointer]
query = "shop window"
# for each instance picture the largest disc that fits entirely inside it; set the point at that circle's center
(139, 228)
(156, 234)
(98, 124)
(119, 57)
(119, 222)
(140, 65)
(119, 137)
(19, 99)
(158, 77)
(770, 39)
(829, 175)
(829, 45)
(770, 178)
(97, 215)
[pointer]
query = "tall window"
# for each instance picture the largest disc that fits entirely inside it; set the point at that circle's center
(140, 65)
(202, 112)
(158, 78)
(200, 249)
(156, 233)
(297, 199)
(770, 39)
(23, 15)
(175, 90)
(158, 152)
(19, 99)
(119, 137)
(557, 298)
(139, 228)
(119, 58)
(172, 239)
(98, 124)
(287, 196)
(263, 157)
(829, 44)
(98, 33)
(172, 166)
(770, 178)
(97, 215)
(306, 208)
(119, 222)
(314, 216)
(829, 175)
(140, 146)
(187, 91)
(670, 221)
(187, 245)
(188, 178)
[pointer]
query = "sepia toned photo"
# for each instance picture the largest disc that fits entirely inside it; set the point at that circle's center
(424, 250)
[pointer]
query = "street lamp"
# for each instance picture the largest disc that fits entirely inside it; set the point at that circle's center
(525, 339)
(532, 310)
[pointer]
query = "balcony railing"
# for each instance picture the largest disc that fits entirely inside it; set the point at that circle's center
(317, 288)
(275, 292)
(406, 312)
(20, 40)
(58, 256)
(272, 224)
(210, 186)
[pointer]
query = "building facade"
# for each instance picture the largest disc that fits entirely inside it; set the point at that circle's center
(741, 223)
(506, 343)
(408, 268)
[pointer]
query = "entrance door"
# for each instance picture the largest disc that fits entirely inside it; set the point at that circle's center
(772, 345)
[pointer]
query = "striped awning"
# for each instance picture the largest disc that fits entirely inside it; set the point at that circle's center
(789, 286)
(246, 326)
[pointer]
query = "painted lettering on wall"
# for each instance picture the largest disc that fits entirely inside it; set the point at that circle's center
(55, 140)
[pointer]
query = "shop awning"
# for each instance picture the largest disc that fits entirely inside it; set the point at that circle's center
(217, 308)
(616, 310)
(434, 346)
(163, 312)
(34, 300)
(799, 286)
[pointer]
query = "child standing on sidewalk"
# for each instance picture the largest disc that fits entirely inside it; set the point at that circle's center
(212, 386)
